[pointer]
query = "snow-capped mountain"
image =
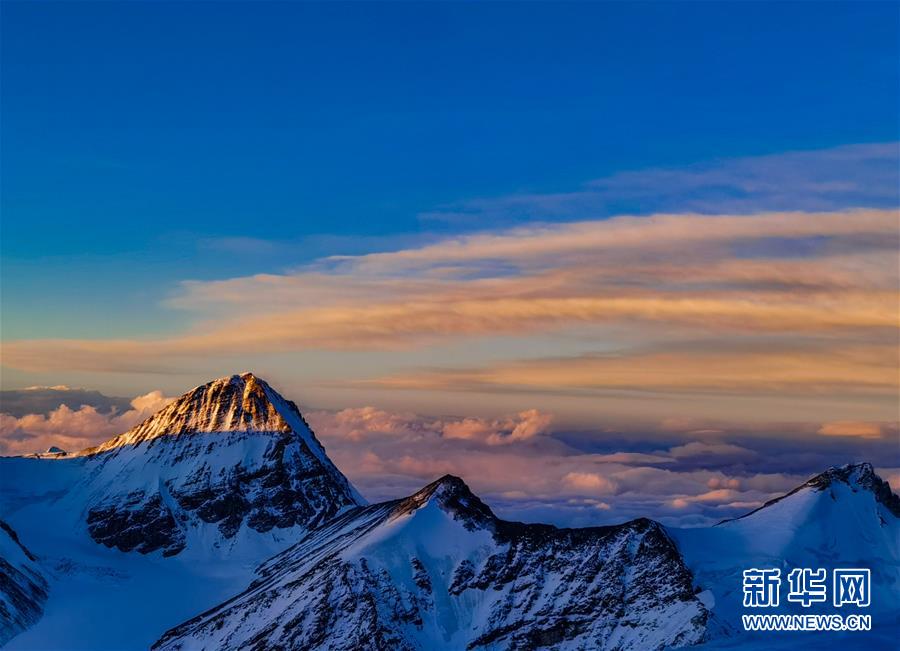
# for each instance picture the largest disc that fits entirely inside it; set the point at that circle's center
(121, 546)
(183, 507)
(438, 570)
(846, 517)
(232, 452)
(23, 587)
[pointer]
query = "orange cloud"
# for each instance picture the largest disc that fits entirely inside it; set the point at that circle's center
(703, 368)
(533, 245)
(867, 430)
(589, 482)
(715, 496)
(659, 277)
(724, 482)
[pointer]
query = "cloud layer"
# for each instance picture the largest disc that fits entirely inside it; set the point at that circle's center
(809, 274)
(40, 400)
(360, 423)
(73, 429)
(753, 287)
(686, 477)
(814, 180)
(526, 467)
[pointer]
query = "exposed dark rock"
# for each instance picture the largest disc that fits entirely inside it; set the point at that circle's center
(142, 523)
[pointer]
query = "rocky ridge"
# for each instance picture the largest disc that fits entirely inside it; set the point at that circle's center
(438, 570)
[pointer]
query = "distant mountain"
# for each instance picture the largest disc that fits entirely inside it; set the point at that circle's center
(858, 476)
(438, 570)
(845, 517)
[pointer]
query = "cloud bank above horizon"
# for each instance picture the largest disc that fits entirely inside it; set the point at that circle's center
(769, 304)
(522, 464)
(729, 321)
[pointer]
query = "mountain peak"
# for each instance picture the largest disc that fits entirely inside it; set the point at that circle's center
(451, 482)
(235, 403)
(438, 570)
(861, 474)
(450, 494)
(231, 453)
(857, 476)
(448, 487)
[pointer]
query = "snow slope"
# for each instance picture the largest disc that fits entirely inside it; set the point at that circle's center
(23, 587)
(846, 517)
(438, 570)
(184, 507)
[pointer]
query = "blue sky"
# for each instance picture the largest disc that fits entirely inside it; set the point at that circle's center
(589, 256)
(137, 135)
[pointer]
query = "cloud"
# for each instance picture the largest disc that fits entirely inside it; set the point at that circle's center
(892, 476)
(658, 277)
(861, 429)
(682, 314)
(389, 454)
(362, 423)
(369, 423)
(633, 458)
(589, 482)
(719, 497)
(815, 180)
(524, 426)
(704, 449)
(601, 245)
(73, 429)
(706, 366)
(40, 400)
(723, 482)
